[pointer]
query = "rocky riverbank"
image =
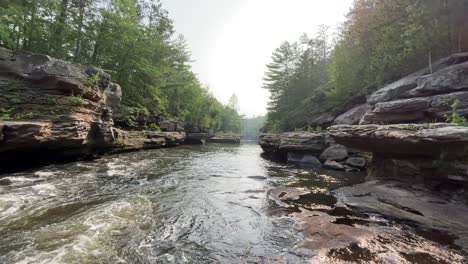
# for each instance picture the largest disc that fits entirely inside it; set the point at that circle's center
(52, 111)
(411, 130)
(312, 149)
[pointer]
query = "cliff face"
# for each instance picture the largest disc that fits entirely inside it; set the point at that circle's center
(53, 110)
(424, 96)
(415, 147)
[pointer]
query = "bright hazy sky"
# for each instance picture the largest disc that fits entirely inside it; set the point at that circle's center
(232, 40)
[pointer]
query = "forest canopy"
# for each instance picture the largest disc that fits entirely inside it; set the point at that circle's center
(380, 42)
(134, 40)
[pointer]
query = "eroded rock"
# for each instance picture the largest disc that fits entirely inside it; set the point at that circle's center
(353, 116)
(423, 140)
(333, 165)
(303, 159)
(356, 162)
(334, 153)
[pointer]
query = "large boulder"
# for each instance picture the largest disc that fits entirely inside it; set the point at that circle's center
(302, 142)
(334, 153)
(356, 162)
(353, 116)
(303, 159)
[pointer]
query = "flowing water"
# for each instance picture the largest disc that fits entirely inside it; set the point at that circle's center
(191, 204)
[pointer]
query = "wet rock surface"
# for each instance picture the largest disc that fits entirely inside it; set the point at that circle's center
(378, 222)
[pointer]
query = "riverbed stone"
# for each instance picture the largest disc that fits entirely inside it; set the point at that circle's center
(333, 165)
(356, 162)
(303, 159)
(5, 182)
(335, 153)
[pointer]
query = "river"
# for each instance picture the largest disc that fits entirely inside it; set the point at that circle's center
(191, 204)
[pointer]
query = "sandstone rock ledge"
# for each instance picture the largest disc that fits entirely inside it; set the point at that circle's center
(312, 149)
(434, 152)
(54, 111)
(225, 139)
(136, 140)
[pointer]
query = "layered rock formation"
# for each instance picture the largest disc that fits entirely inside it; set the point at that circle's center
(434, 152)
(416, 147)
(52, 110)
(311, 149)
(424, 150)
(424, 96)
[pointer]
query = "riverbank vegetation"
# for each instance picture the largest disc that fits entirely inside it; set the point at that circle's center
(133, 40)
(380, 42)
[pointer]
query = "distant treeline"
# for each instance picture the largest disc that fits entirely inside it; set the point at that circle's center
(381, 41)
(251, 127)
(133, 40)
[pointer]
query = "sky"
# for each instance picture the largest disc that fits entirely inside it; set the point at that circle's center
(231, 41)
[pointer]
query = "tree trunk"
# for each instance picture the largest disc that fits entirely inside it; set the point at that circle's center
(57, 38)
(80, 28)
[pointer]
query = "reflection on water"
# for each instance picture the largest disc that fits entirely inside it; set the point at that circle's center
(192, 204)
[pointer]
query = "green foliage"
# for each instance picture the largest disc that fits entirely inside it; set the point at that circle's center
(410, 127)
(250, 127)
(154, 127)
(132, 39)
(380, 42)
(93, 79)
(455, 118)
